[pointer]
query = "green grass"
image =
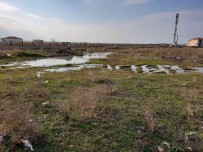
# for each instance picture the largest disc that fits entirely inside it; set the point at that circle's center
(100, 110)
(22, 56)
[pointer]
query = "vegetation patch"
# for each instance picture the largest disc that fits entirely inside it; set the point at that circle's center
(101, 110)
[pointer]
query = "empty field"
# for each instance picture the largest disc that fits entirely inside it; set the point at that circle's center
(105, 110)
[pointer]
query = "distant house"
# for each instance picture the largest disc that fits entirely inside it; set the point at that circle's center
(196, 42)
(38, 42)
(11, 40)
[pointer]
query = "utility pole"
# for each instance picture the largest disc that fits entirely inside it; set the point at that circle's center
(175, 40)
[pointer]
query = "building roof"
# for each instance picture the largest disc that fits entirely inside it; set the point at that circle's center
(198, 38)
(12, 37)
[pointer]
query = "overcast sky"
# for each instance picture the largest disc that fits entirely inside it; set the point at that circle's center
(120, 21)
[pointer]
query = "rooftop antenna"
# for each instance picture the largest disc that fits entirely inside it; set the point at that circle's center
(175, 40)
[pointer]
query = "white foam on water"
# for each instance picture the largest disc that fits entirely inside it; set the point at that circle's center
(17, 68)
(133, 68)
(44, 62)
(76, 60)
(117, 67)
(147, 69)
(88, 66)
(177, 69)
(162, 69)
(109, 67)
(63, 69)
(198, 69)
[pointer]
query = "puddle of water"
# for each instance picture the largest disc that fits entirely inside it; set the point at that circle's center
(167, 66)
(17, 68)
(75, 60)
(117, 67)
(198, 69)
(80, 63)
(63, 69)
(9, 65)
(88, 66)
(147, 69)
(109, 67)
(162, 69)
(165, 69)
(45, 62)
(177, 69)
(133, 68)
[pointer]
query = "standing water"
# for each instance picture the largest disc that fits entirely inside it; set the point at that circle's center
(48, 62)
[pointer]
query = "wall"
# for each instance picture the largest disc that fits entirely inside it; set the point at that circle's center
(193, 43)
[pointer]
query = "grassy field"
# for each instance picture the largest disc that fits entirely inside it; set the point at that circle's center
(101, 110)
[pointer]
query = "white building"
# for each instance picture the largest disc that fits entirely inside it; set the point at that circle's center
(11, 40)
(196, 42)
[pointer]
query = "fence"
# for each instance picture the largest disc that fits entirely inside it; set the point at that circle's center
(50, 45)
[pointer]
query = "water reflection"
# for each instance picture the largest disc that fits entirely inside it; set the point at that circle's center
(48, 62)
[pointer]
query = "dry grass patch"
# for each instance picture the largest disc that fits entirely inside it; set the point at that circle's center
(83, 101)
(193, 107)
(14, 117)
(150, 117)
(34, 92)
(189, 94)
(3, 53)
(151, 55)
(17, 121)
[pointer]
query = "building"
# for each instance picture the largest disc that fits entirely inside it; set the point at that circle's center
(196, 42)
(11, 40)
(37, 42)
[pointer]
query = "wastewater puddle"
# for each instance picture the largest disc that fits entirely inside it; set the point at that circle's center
(167, 69)
(74, 63)
(198, 69)
(48, 62)
(76, 68)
